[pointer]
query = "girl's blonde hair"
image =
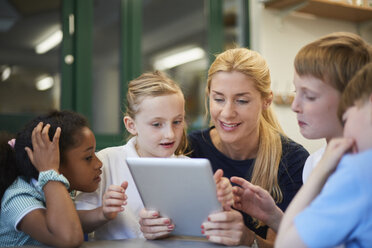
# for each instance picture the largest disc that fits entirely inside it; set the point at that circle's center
(152, 84)
(250, 63)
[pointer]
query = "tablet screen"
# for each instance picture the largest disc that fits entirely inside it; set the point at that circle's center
(182, 189)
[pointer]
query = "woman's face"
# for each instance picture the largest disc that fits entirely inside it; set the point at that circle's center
(81, 166)
(235, 106)
(316, 104)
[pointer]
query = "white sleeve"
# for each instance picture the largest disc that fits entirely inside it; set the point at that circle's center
(311, 162)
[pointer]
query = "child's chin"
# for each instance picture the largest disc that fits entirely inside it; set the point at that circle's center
(91, 188)
(165, 154)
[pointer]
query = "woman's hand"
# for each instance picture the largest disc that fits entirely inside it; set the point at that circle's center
(224, 190)
(45, 153)
(153, 226)
(256, 202)
(114, 200)
(225, 227)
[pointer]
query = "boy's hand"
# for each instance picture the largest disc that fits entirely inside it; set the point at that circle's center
(114, 200)
(336, 148)
(256, 202)
(45, 153)
(224, 190)
(153, 226)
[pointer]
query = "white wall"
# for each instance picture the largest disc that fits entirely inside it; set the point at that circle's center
(279, 39)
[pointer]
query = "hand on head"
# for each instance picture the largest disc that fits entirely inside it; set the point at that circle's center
(256, 202)
(45, 153)
(114, 200)
(224, 190)
(225, 227)
(153, 225)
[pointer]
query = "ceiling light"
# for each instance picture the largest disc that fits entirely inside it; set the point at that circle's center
(6, 73)
(45, 83)
(179, 58)
(49, 43)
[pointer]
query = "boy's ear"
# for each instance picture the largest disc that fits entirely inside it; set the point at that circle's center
(130, 125)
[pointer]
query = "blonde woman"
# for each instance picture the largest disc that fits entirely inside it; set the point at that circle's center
(246, 140)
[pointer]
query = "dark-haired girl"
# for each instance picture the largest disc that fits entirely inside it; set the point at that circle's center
(53, 155)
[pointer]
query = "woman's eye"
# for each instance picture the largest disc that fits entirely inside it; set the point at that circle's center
(242, 101)
(218, 99)
(156, 124)
(89, 158)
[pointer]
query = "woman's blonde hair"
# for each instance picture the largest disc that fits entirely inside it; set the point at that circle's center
(251, 63)
(152, 84)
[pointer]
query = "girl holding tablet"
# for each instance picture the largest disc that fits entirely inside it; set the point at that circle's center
(155, 118)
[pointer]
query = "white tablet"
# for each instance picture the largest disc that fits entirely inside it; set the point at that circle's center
(182, 189)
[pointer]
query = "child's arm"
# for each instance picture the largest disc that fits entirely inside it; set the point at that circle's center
(113, 202)
(224, 190)
(288, 234)
(256, 202)
(58, 224)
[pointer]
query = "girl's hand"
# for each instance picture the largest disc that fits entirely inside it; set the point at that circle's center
(256, 202)
(114, 200)
(224, 190)
(153, 226)
(45, 153)
(225, 227)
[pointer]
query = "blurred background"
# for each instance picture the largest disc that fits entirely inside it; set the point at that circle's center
(80, 55)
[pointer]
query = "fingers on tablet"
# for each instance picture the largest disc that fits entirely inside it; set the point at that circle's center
(156, 235)
(146, 214)
(156, 228)
(155, 222)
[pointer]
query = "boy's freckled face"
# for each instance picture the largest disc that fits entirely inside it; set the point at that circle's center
(81, 166)
(358, 124)
(159, 125)
(316, 104)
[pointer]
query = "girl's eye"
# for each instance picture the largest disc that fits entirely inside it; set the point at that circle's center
(177, 122)
(156, 124)
(89, 158)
